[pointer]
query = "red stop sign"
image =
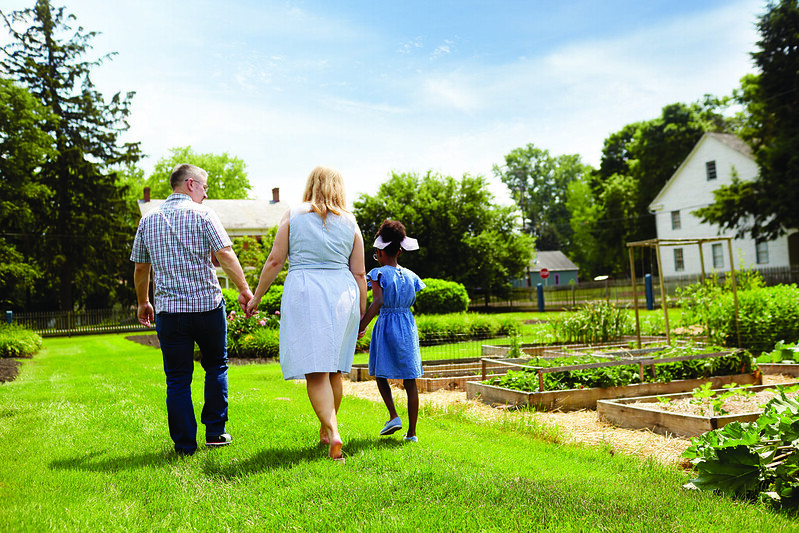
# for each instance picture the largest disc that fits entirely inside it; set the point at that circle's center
(544, 273)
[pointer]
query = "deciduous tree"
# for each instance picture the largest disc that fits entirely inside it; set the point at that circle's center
(462, 235)
(227, 175)
(538, 182)
(24, 148)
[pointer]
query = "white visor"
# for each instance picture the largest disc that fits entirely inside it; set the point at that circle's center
(408, 244)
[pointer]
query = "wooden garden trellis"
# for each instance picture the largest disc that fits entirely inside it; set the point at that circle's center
(657, 243)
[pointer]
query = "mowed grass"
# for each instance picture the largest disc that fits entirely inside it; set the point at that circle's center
(86, 447)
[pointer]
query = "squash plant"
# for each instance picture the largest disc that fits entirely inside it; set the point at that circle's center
(755, 460)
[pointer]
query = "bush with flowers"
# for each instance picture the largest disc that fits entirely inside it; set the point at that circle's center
(256, 336)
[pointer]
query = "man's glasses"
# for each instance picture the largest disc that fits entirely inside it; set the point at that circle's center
(204, 186)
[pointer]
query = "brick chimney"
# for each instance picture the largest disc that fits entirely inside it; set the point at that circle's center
(276, 195)
(146, 194)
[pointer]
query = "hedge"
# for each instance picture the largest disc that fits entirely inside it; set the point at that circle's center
(441, 297)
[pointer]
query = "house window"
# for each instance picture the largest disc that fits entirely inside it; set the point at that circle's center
(679, 264)
(710, 166)
(761, 248)
(675, 220)
(718, 256)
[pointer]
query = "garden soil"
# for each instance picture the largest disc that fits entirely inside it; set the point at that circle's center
(8, 369)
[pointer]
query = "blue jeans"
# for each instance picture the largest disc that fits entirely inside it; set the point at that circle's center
(177, 333)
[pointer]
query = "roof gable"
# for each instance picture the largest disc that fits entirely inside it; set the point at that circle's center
(554, 261)
(725, 140)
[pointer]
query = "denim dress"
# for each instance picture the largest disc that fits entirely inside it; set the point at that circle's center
(394, 348)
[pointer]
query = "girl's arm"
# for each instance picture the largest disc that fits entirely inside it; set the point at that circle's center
(374, 307)
(274, 263)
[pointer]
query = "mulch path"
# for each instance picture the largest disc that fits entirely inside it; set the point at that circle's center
(152, 340)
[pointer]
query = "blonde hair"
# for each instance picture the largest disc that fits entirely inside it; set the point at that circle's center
(325, 191)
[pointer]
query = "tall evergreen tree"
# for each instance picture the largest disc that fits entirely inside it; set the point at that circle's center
(767, 207)
(87, 228)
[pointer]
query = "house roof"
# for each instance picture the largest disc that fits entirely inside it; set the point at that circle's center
(726, 139)
(239, 217)
(553, 261)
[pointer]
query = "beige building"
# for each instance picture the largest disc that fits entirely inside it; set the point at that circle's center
(239, 217)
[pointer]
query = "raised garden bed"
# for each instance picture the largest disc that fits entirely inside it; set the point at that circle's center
(453, 374)
(586, 398)
(646, 413)
(574, 399)
(786, 369)
(449, 374)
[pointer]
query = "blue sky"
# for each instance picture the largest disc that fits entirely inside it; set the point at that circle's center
(369, 87)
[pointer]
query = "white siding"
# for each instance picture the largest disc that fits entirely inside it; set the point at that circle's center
(689, 190)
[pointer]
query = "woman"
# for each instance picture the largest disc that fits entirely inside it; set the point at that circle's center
(324, 295)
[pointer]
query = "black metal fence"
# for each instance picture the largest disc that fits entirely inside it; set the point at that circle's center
(68, 323)
(617, 292)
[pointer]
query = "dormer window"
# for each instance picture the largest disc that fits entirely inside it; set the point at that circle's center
(710, 167)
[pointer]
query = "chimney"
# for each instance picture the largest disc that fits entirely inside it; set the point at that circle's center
(146, 194)
(276, 195)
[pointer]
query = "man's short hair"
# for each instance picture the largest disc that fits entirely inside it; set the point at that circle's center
(184, 171)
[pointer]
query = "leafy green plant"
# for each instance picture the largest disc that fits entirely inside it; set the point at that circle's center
(756, 460)
(593, 323)
(738, 362)
(782, 353)
(663, 401)
(18, 341)
(253, 336)
(704, 396)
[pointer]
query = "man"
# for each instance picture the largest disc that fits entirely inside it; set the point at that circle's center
(177, 240)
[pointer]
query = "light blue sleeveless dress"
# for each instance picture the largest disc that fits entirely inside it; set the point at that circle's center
(319, 312)
(394, 347)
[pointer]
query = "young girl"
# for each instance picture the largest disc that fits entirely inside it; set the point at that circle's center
(394, 350)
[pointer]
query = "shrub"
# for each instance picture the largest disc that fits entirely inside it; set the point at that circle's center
(766, 315)
(18, 341)
(256, 336)
(441, 297)
(263, 342)
(462, 326)
(269, 303)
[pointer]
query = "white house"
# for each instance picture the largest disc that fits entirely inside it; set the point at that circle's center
(713, 162)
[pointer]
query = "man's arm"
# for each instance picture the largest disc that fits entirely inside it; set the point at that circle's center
(141, 280)
(230, 264)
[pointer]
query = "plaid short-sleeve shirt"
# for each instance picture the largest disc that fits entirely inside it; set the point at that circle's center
(178, 238)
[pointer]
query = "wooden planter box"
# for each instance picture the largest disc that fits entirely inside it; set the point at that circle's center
(449, 374)
(788, 369)
(572, 400)
(619, 413)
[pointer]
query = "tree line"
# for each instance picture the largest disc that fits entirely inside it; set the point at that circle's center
(69, 186)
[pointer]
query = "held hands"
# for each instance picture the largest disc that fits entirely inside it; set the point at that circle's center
(245, 297)
(145, 314)
(252, 306)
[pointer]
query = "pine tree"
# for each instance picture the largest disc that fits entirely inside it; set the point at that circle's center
(88, 226)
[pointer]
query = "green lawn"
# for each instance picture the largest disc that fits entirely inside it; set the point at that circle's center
(86, 448)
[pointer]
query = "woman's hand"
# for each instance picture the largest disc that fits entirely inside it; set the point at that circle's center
(252, 306)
